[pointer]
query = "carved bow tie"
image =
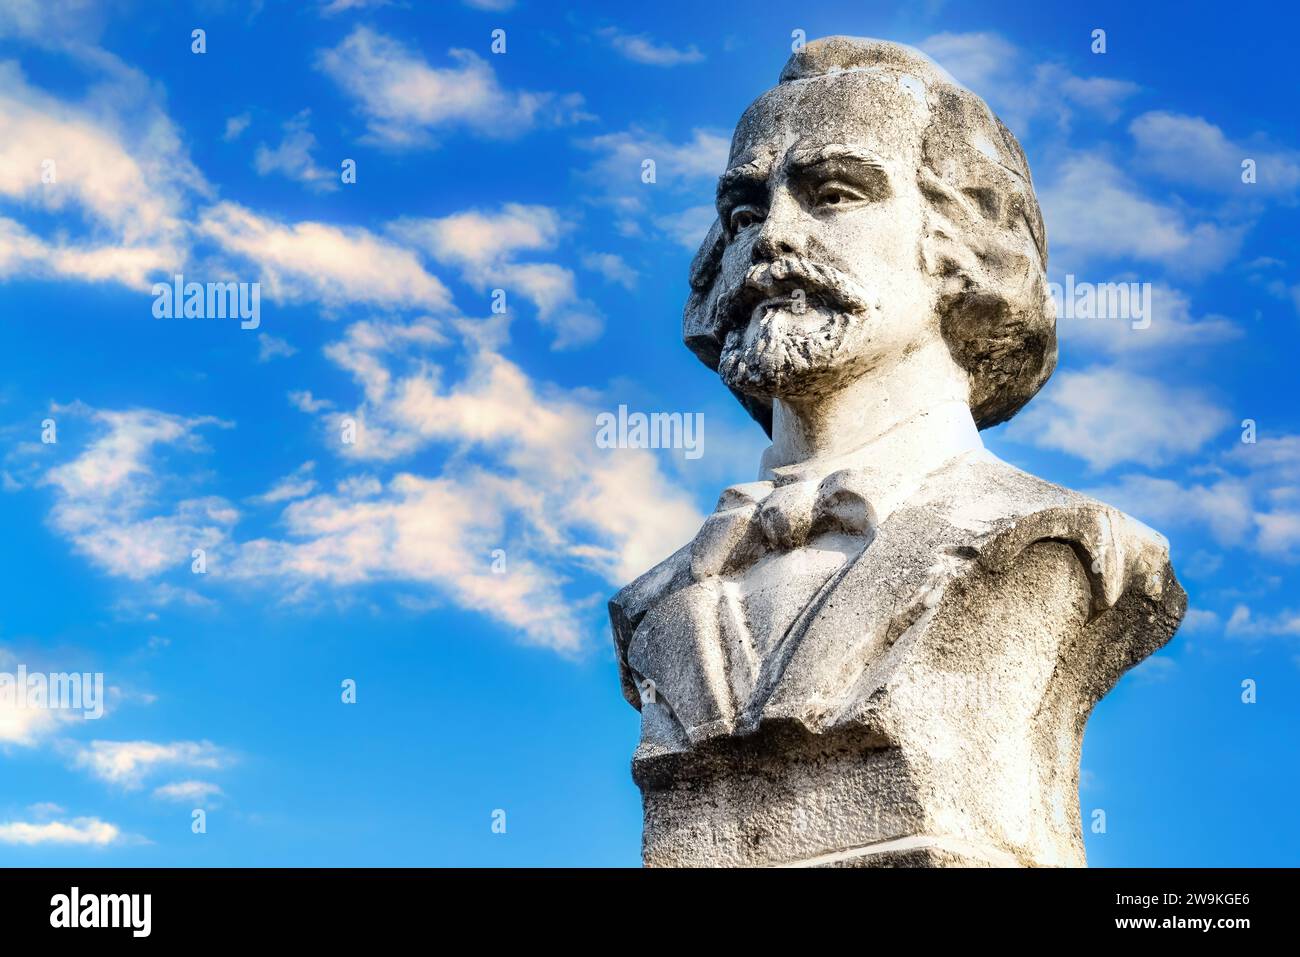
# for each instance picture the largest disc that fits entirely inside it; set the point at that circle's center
(760, 517)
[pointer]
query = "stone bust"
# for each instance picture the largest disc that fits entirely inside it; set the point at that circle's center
(885, 649)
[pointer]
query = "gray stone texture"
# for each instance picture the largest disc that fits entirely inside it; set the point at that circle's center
(883, 651)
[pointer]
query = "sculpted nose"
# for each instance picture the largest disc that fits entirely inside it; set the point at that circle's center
(781, 233)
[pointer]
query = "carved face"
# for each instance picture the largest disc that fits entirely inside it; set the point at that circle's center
(820, 280)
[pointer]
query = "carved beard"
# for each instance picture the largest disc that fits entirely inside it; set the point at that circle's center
(780, 345)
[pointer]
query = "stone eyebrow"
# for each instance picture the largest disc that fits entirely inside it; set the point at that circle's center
(807, 158)
(746, 176)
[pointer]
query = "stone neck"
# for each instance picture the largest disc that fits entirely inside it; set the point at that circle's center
(898, 460)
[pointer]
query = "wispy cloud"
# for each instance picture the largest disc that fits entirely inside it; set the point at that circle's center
(1025, 93)
(333, 265)
(271, 347)
(296, 485)
(292, 157)
(104, 498)
(331, 8)
(1141, 419)
(1246, 497)
(84, 831)
(128, 763)
(1244, 623)
(1165, 141)
(405, 99)
(683, 171)
(114, 161)
(188, 792)
(641, 48)
(1172, 327)
(235, 126)
(539, 489)
(487, 246)
(613, 267)
(1097, 214)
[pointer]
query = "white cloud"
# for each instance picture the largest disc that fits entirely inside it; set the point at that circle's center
(293, 157)
(26, 727)
(688, 227)
(143, 603)
(404, 99)
(1279, 531)
(332, 7)
(92, 168)
(235, 126)
(523, 474)
(1199, 619)
(439, 531)
(538, 488)
(1172, 326)
(114, 160)
(1100, 94)
(1155, 670)
(84, 831)
(188, 792)
(1225, 507)
(976, 60)
(1095, 213)
(478, 240)
(613, 267)
(336, 265)
(104, 496)
(296, 485)
(689, 167)
(53, 22)
(1107, 416)
(1019, 92)
(271, 347)
(1252, 500)
(1190, 149)
(485, 247)
(128, 763)
(1278, 455)
(304, 401)
(1245, 624)
(641, 48)
(701, 158)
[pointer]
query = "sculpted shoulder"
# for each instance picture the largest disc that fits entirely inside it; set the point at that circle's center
(968, 525)
(1006, 510)
(629, 605)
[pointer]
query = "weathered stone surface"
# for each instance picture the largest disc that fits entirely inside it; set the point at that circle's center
(884, 651)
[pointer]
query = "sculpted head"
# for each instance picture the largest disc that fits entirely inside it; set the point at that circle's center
(871, 206)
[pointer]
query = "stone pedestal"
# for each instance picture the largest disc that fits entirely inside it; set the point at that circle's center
(964, 752)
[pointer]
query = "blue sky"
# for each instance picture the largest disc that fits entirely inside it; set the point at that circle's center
(483, 688)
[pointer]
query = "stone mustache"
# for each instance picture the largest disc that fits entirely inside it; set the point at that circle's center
(885, 649)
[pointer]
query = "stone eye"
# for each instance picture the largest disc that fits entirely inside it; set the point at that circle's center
(743, 217)
(835, 195)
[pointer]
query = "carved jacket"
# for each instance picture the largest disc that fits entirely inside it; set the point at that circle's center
(702, 659)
